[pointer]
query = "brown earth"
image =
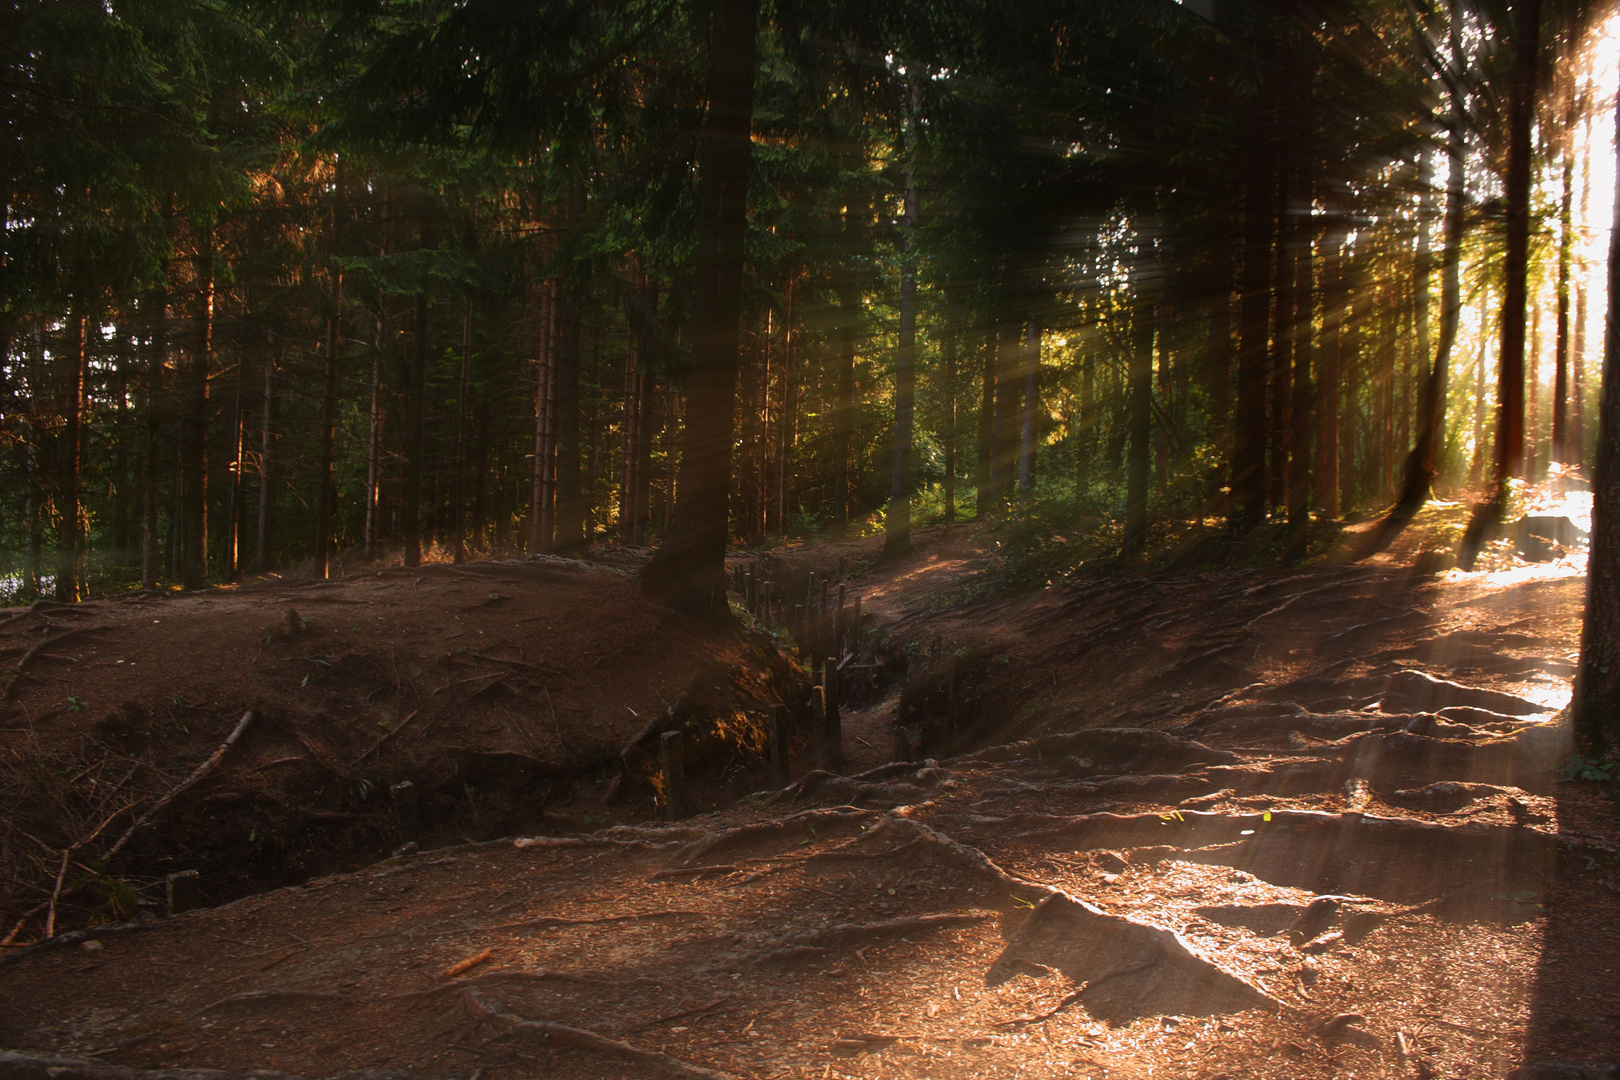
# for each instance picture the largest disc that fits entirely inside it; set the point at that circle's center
(512, 695)
(1211, 823)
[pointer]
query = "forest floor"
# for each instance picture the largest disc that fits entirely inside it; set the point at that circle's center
(1194, 820)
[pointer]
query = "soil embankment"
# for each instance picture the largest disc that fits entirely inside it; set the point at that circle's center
(1280, 824)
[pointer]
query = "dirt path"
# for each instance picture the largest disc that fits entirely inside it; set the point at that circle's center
(1271, 824)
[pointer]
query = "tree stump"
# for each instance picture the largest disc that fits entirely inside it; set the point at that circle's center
(184, 891)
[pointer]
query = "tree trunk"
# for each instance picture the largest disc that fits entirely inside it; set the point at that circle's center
(267, 453)
(233, 512)
(983, 484)
(950, 438)
(1487, 516)
(194, 428)
(1032, 383)
(458, 513)
(1301, 427)
(1010, 375)
(1595, 707)
(69, 534)
(1248, 470)
(897, 522)
(1560, 408)
(416, 436)
(849, 311)
(373, 441)
(326, 503)
(1285, 323)
(570, 537)
(157, 304)
(1335, 307)
(1141, 413)
(688, 570)
(644, 426)
(1575, 444)
(540, 499)
(790, 404)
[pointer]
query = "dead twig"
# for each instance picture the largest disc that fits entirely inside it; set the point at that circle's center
(560, 1036)
(389, 734)
(56, 893)
(196, 775)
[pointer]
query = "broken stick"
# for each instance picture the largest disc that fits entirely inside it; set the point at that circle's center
(196, 776)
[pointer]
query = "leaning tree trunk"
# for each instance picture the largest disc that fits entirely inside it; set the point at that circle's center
(1487, 516)
(688, 570)
(69, 536)
(1596, 703)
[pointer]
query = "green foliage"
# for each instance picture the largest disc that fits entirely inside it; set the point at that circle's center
(1579, 767)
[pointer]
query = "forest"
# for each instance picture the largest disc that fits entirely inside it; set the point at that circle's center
(304, 287)
(776, 539)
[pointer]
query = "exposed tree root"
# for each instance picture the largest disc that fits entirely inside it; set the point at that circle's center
(278, 997)
(961, 856)
(1092, 947)
(803, 823)
(16, 1065)
(552, 920)
(563, 1037)
(76, 937)
(503, 978)
(836, 937)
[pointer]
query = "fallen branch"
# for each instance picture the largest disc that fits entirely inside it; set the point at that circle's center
(560, 1036)
(185, 785)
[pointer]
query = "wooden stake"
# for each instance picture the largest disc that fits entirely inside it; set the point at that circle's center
(832, 722)
(673, 754)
